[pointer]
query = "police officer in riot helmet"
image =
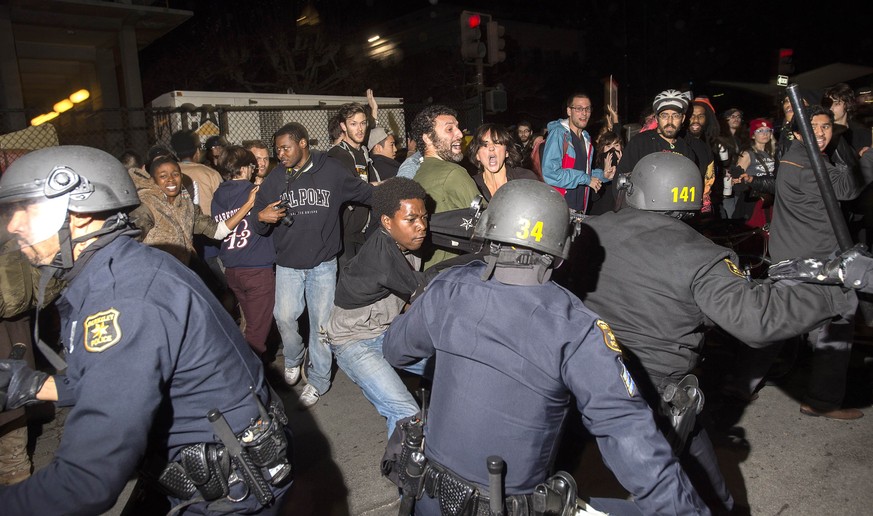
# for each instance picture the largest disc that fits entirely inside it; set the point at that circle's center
(660, 284)
(149, 353)
(512, 350)
(665, 182)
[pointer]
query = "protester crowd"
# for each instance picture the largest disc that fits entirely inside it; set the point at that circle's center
(342, 235)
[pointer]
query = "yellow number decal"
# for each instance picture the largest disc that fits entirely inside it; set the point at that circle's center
(537, 231)
(683, 194)
(524, 231)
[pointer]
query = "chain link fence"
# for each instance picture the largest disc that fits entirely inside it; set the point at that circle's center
(118, 130)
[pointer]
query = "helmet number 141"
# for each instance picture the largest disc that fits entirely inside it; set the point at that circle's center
(686, 194)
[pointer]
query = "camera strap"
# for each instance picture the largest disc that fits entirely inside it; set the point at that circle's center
(292, 175)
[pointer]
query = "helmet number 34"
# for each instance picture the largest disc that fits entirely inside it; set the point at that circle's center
(526, 231)
(686, 194)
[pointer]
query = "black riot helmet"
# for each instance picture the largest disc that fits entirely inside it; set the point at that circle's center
(664, 181)
(527, 213)
(41, 187)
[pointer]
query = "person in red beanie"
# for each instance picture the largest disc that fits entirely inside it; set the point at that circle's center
(757, 183)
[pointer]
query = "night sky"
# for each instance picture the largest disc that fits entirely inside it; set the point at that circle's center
(647, 46)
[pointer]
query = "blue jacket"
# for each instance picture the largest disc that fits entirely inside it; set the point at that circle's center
(560, 172)
(510, 359)
(150, 351)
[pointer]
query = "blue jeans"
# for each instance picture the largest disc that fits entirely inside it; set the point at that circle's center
(363, 362)
(318, 285)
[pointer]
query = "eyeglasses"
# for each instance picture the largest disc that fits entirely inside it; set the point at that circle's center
(668, 116)
(764, 130)
(581, 109)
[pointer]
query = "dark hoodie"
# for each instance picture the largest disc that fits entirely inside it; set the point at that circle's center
(316, 198)
(243, 247)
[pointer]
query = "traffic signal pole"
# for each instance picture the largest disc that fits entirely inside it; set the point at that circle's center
(475, 52)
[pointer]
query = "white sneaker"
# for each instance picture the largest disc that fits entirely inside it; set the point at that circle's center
(308, 397)
(292, 375)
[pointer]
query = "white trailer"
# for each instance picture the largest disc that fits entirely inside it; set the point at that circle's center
(255, 116)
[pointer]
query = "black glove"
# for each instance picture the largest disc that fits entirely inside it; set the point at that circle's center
(851, 269)
(19, 384)
(807, 270)
(856, 266)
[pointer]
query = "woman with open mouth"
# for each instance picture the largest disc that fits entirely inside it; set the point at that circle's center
(491, 150)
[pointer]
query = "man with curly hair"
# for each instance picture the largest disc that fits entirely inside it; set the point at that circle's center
(448, 185)
(373, 289)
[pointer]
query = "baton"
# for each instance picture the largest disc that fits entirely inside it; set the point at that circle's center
(832, 206)
(250, 474)
(495, 484)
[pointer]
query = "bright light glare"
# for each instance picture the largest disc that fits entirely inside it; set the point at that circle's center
(63, 105)
(41, 119)
(80, 95)
(373, 39)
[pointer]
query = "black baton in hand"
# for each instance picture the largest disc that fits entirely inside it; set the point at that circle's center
(250, 473)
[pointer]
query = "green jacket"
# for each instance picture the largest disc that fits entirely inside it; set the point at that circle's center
(20, 281)
(449, 187)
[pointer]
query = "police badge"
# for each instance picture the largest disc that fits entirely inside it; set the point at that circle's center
(101, 331)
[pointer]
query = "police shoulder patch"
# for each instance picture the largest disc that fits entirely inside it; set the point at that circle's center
(608, 337)
(102, 330)
(627, 379)
(733, 268)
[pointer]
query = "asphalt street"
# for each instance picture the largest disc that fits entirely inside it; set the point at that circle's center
(787, 463)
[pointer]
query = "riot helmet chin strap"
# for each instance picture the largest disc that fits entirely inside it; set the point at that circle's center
(62, 262)
(114, 223)
(517, 266)
(64, 259)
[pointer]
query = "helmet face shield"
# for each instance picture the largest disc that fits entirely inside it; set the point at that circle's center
(27, 222)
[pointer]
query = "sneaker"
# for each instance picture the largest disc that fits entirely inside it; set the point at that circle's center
(308, 397)
(292, 375)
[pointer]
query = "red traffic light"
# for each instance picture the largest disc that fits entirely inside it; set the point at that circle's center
(474, 21)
